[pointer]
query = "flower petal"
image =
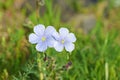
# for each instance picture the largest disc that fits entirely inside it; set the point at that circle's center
(49, 30)
(39, 29)
(33, 38)
(50, 42)
(71, 37)
(56, 36)
(41, 47)
(69, 47)
(63, 32)
(58, 47)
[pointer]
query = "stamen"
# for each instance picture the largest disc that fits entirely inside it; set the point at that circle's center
(43, 39)
(62, 41)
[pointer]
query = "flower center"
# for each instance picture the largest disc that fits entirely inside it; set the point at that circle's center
(43, 38)
(63, 41)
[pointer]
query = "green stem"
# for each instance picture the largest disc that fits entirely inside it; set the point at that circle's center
(106, 71)
(69, 55)
(41, 77)
(37, 9)
(38, 4)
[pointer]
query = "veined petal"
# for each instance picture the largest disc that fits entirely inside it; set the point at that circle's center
(71, 37)
(58, 47)
(39, 29)
(50, 42)
(69, 47)
(41, 47)
(56, 36)
(63, 32)
(49, 30)
(33, 38)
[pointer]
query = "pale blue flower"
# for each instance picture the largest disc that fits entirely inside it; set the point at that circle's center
(64, 39)
(42, 37)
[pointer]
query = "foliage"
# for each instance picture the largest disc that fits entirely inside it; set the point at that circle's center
(96, 56)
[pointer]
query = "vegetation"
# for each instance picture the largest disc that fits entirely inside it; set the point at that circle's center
(96, 55)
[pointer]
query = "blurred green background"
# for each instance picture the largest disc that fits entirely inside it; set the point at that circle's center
(96, 24)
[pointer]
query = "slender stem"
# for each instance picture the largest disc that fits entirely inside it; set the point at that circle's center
(69, 56)
(41, 77)
(37, 9)
(106, 71)
(54, 75)
(38, 4)
(45, 55)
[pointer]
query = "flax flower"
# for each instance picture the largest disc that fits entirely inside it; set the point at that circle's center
(64, 39)
(42, 37)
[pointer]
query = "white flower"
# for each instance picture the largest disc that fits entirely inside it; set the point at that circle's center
(64, 39)
(42, 37)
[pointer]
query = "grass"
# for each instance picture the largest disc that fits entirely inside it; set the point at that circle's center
(96, 55)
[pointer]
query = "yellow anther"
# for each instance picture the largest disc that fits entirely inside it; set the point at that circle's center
(62, 41)
(43, 39)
